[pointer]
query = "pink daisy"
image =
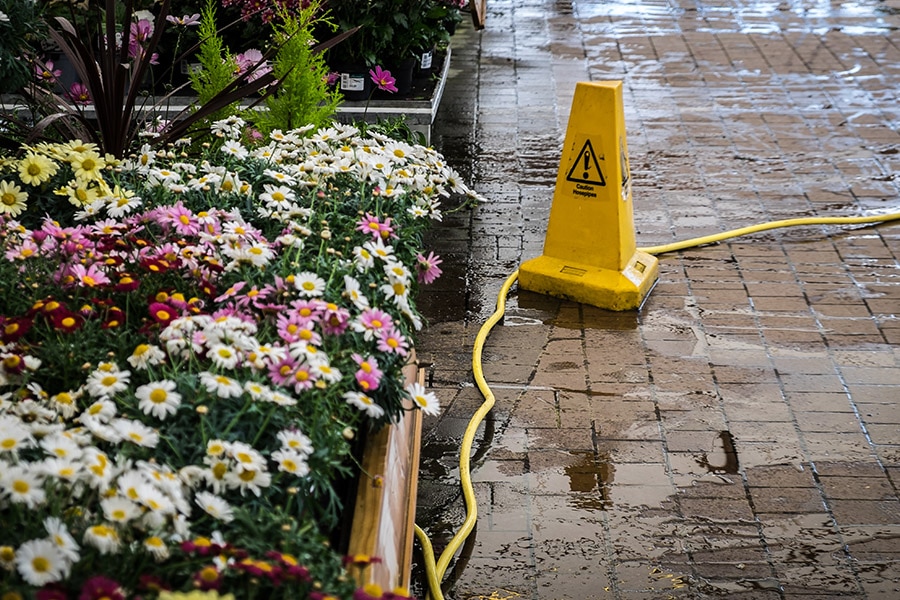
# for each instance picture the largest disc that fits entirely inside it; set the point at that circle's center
(427, 267)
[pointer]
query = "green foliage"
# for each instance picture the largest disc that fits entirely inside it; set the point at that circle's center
(217, 65)
(304, 96)
(21, 25)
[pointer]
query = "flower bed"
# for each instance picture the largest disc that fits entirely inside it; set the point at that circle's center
(189, 347)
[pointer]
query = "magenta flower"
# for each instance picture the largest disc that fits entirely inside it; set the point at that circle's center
(373, 225)
(79, 94)
(383, 79)
(367, 366)
(45, 72)
(367, 381)
(141, 31)
(335, 319)
(281, 372)
(428, 269)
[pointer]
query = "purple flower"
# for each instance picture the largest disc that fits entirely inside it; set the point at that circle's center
(383, 79)
(186, 20)
(79, 94)
(252, 60)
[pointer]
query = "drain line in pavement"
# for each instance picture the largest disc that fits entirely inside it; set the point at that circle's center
(436, 569)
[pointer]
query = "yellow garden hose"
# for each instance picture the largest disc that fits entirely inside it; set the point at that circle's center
(435, 570)
(718, 237)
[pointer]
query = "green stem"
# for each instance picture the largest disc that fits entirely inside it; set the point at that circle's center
(237, 417)
(262, 428)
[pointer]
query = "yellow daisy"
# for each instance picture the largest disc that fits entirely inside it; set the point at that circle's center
(35, 169)
(12, 199)
(87, 165)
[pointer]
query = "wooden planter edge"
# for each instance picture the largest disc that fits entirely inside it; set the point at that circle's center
(384, 513)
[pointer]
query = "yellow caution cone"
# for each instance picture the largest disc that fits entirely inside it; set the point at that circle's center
(590, 254)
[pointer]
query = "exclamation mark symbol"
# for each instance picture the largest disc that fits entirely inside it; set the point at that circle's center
(587, 163)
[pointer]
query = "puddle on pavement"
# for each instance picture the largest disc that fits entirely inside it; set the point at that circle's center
(723, 457)
(589, 480)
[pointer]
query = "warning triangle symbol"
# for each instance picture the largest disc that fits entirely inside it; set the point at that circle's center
(586, 169)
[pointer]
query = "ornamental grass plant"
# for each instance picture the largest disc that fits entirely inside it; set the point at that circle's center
(189, 348)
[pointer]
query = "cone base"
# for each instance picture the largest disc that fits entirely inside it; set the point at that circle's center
(603, 288)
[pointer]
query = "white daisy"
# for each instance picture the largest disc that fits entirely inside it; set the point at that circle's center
(396, 271)
(14, 435)
(246, 455)
(158, 398)
(424, 400)
(103, 537)
(99, 468)
(154, 499)
(224, 356)
(353, 292)
(60, 536)
(249, 479)
(217, 447)
(364, 403)
(309, 284)
(23, 486)
(157, 548)
(282, 399)
(128, 484)
(220, 385)
(145, 355)
(378, 249)
(61, 446)
(101, 410)
(294, 440)
(291, 462)
(40, 562)
(65, 403)
(258, 391)
(236, 149)
(136, 432)
(215, 506)
(61, 468)
(106, 381)
(119, 510)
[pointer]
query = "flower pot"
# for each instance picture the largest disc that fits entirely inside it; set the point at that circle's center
(425, 60)
(355, 82)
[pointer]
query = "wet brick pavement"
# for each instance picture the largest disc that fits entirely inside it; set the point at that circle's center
(738, 437)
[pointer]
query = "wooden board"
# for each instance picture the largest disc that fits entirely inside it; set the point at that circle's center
(384, 514)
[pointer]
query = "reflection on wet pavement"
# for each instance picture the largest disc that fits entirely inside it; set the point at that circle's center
(739, 436)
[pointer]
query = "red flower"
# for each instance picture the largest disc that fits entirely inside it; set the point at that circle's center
(13, 364)
(127, 283)
(208, 578)
(99, 587)
(66, 321)
(115, 317)
(14, 328)
(162, 313)
(51, 592)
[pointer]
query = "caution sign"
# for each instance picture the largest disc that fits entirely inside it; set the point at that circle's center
(586, 169)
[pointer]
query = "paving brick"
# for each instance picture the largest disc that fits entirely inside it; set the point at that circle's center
(780, 339)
